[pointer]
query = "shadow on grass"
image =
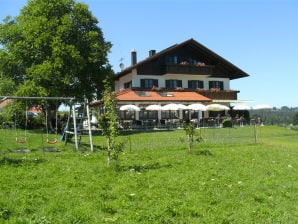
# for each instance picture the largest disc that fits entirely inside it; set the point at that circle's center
(19, 162)
(146, 167)
(49, 149)
(5, 214)
(204, 152)
(85, 147)
(139, 131)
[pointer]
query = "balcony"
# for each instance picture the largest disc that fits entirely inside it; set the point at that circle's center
(189, 69)
(220, 94)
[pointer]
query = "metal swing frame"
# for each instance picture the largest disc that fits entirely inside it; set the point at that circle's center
(53, 141)
(24, 139)
(72, 111)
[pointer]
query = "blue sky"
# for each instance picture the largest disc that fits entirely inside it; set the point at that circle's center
(258, 36)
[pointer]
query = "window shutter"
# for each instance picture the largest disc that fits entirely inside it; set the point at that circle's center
(201, 84)
(221, 85)
(179, 83)
(211, 84)
(142, 83)
(167, 84)
(190, 84)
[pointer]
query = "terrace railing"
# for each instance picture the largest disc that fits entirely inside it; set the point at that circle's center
(220, 94)
(189, 69)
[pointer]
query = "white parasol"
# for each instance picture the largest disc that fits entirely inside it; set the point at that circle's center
(242, 107)
(130, 107)
(217, 107)
(154, 107)
(182, 107)
(197, 106)
(174, 106)
(262, 107)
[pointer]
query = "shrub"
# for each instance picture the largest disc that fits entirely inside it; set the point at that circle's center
(227, 123)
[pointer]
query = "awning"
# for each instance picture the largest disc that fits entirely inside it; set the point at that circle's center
(232, 101)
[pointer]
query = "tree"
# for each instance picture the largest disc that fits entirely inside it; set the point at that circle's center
(108, 123)
(295, 119)
(7, 86)
(189, 129)
(54, 48)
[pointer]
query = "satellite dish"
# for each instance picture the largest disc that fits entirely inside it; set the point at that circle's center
(121, 66)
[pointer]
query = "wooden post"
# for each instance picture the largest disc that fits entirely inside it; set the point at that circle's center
(75, 127)
(255, 133)
(89, 126)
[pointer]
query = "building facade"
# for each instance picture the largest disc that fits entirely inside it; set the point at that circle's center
(184, 73)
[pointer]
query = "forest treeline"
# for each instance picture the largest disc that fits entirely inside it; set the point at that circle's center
(278, 116)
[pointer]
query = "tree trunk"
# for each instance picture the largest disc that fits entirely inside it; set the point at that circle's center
(109, 151)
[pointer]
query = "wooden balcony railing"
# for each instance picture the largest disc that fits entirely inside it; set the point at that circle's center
(189, 69)
(220, 94)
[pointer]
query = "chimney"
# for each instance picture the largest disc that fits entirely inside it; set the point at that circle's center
(133, 57)
(152, 52)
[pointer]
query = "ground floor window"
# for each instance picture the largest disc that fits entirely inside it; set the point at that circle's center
(168, 114)
(127, 115)
(147, 115)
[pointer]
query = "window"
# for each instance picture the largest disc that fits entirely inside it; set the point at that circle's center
(149, 83)
(216, 85)
(128, 85)
(172, 60)
(194, 84)
(173, 83)
(166, 94)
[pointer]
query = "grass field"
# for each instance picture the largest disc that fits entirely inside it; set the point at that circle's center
(228, 178)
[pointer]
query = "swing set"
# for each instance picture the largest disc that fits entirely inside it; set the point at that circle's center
(52, 141)
(23, 139)
(20, 139)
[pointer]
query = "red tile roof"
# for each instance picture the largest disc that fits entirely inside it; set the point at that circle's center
(154, 96)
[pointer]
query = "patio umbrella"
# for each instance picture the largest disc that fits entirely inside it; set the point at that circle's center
(154, 107)
(217, 107)
(172, 106)
(242, 107)
(130, 107)
(182, 107)
(197, 106)
(262, 107)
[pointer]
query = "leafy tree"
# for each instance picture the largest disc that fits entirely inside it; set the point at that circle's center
(295, 119)
(7, 86)
(54, 48)
(108, 123)
(189, 129)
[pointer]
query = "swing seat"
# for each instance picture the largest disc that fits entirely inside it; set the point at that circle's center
(54, 141)
(21, 140)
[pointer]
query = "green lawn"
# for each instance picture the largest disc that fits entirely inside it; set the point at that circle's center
(226, 179)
